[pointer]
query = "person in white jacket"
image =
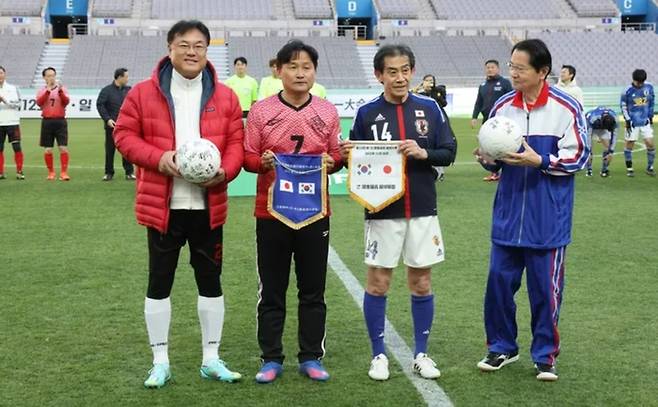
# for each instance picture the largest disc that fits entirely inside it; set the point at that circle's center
(567, 83)
(10, 104)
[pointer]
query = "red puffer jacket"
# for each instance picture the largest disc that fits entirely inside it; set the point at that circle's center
(145, 130)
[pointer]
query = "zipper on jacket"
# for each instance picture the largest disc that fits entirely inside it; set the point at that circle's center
(525, 178)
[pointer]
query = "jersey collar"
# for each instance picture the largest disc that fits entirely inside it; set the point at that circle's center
(541, 100)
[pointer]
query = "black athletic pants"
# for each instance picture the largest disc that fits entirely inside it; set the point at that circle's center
(276, 245)
(193, 227)
(109, 155)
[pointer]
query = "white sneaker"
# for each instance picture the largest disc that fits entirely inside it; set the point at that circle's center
(425, 367)
(379, 368)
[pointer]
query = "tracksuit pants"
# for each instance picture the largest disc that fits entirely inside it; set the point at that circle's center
(277, 244)
(545, 282)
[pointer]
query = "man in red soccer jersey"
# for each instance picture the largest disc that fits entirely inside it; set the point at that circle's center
(52, 99)
(292, 121)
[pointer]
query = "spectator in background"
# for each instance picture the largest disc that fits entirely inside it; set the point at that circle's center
(567, 83)
(243, 85)
(428, 87)
(270, 85)
(489, 92)
(53, 99)
(108, 104)
(10, 105)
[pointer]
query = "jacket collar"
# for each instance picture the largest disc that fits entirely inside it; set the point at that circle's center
(541, 100)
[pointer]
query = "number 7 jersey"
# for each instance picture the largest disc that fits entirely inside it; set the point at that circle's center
(273, 124)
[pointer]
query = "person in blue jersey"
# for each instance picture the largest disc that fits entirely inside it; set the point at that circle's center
(410, 225)
(532, 210)
(602, 127)
(637, 104)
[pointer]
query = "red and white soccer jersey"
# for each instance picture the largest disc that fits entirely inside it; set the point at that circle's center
(53, 103)
(273, 124)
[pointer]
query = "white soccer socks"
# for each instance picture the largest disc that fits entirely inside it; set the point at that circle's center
(157, 314)
(211, 318)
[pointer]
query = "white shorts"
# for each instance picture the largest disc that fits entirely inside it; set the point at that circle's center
(418, 239)
(601, 134)
(644, 131)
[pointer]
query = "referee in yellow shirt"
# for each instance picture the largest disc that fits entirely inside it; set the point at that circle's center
(243, 85)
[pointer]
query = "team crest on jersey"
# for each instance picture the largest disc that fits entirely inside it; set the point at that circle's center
(318, 124)
(422, 127)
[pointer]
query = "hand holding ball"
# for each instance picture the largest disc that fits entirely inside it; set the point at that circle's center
(198, 160)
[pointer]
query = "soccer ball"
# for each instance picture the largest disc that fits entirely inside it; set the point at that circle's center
(498, 136)
(198, 160)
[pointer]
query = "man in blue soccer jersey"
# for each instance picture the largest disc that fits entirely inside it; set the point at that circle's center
(532, 210)
(602, 126)
(409, 225)
(637, 103)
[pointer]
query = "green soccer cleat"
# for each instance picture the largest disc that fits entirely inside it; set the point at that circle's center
(216, 370)
(159, 375)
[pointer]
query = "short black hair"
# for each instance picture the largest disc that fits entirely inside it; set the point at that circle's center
(240, 59)
(492, 61)
(429, 75)
(639, 75)
(272, 62)
(119, 72)
(571, 69)
(392, 50)
(183, 26)
(2, 68)
(608, 122)
(540, 56)
(292, 48)
(50, 68)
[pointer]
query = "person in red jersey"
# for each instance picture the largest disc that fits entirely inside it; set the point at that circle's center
(291, 122)
(53, 99)
(182, 101)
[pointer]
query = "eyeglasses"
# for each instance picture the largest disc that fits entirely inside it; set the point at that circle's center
(198, 49)
(516, 68)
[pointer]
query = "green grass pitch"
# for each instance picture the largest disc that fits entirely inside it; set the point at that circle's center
(73, 278)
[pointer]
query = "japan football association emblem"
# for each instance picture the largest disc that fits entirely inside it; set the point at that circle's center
(422, 127)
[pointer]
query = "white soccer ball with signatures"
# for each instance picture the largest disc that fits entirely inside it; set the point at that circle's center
(498, 136)
(198, 160)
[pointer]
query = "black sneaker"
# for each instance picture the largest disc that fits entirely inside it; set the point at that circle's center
(651, 172)
(20, 176)
(107, 177)
(494, 361)
(2, 176)
(130, 177)
(630, 173)
(604, 174)
(545, 372)
(588, 173)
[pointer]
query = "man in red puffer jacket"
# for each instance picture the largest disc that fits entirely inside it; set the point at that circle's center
(182, 101)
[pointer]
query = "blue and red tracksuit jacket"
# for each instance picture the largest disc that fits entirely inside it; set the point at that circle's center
(533, 206)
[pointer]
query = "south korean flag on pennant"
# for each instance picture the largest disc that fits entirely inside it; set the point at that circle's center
(298, 195)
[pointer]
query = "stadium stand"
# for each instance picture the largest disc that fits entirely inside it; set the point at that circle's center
(21, 8)
(312, 9)
(112, 8)
(456, 60)
(594, 8)
(500, 10)
(20, 55)
(209, 10)
(604, 58)
(394, 9)
(338, 59)
(92, 60)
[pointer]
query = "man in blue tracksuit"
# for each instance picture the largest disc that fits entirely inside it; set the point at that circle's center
(532, 210)
(637, 104)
